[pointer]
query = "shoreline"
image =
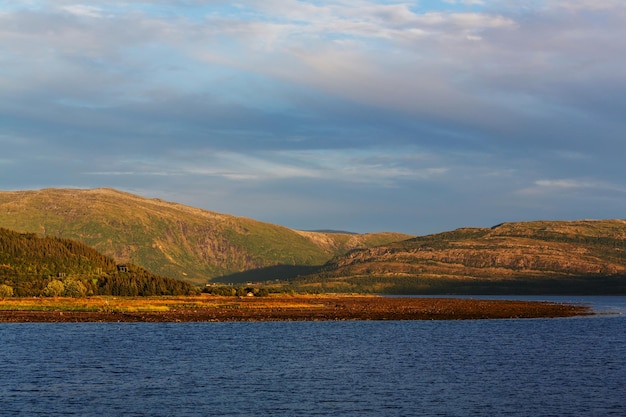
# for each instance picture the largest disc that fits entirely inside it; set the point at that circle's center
(278, 308)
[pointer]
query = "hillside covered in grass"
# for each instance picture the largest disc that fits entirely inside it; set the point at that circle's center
(50, 266)
(530, 257)
(171, 239)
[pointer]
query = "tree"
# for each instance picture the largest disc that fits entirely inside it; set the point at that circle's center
(55, 288)
(75, 288)
(6, 291)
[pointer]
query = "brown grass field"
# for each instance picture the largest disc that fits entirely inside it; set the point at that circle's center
(206, 308)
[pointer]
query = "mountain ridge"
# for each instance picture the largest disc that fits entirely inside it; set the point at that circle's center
(590, 254)
(199, 246)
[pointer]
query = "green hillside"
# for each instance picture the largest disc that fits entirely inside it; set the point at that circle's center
(530, 257)
(171, 239)
(35, 266)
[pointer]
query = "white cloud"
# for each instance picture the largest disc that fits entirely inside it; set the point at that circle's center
(376, 167)
(564, 183)
(587, 5)
(130, 173)
(82, 10)
(547, 186)
(471, 21)
(466, 2)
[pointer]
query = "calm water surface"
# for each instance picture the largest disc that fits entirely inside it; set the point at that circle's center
(555, 367)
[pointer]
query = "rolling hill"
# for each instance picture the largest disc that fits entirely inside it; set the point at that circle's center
(584, 256)
(172, 239)
(35, 266)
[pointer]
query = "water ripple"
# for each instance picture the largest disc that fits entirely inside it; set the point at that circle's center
(565, 367)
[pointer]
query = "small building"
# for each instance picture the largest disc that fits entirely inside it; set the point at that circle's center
(122, 268)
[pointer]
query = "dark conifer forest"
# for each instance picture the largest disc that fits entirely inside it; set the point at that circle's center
(51, 266)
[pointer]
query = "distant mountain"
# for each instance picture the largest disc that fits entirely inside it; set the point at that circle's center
(172, 239)
(35, 266)
(531, 257)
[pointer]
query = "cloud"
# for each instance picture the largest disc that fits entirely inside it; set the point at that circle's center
(82, 10)
(466, 2)
(378, 168)
(585, 5)
(578, 184)
(368, 53)
(325, 99)
(551, 190)
(564, 184)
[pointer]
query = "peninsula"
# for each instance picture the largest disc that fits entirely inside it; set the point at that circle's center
(275, 308)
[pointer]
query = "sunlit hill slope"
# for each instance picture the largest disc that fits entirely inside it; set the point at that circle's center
(584, 256)
(171, 239)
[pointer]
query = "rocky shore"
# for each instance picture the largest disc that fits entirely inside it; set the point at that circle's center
(309, 308)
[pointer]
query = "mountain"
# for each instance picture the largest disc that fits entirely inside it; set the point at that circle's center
(585, 256)
(35, 266)
(172, 239)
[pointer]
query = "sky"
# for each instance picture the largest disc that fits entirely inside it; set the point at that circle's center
(366, 116)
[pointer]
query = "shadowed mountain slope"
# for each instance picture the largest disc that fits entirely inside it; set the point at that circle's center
(172, 239)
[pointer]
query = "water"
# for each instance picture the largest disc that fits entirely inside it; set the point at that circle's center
(554, 367)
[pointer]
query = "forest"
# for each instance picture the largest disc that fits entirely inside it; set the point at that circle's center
(49, 266)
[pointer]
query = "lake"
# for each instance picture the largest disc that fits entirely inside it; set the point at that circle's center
(536, 367)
